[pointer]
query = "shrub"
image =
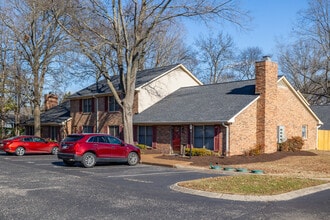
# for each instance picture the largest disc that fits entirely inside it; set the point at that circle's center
(198, 152)
(292, 144)
(142, 146)
(257, 150)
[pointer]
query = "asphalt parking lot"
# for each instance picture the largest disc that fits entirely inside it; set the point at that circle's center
(41, 187)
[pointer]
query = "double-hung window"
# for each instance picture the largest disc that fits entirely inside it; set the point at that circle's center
(113, 105)
(88, 129)
(204, 137)
(87, 105)
(114, 130)
(145, 135)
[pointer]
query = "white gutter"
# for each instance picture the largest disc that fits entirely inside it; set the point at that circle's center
(97, 113)
(317, 137)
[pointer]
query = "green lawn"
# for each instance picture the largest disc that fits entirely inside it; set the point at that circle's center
(251, 184)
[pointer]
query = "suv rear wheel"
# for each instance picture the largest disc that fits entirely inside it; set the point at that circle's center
(89, 160)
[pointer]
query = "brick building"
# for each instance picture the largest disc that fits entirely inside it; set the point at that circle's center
(173, 109)
(234, 117)
(55, 120)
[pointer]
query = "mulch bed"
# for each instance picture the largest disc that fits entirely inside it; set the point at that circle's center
(213, 160)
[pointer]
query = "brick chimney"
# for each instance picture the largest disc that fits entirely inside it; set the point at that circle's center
(266, 87)
(51, 100)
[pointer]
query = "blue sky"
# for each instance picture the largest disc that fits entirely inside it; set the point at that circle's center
(272, 23)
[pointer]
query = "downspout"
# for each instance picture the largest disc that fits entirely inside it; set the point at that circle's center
(227, 138)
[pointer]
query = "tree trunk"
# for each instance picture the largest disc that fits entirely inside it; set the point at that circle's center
(36, 114)
(128, 118)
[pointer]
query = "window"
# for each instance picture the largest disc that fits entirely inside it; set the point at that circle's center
(113, 140)
(29, 130)
(198, 137)
(97, 139)
(204, 137)
(113, 105)
(53, 131)
(37, 139)
(304, 131)
(88, 129)
(28, 139)
(87, 105)
(145, 135)
(114, 131)
(209, 137)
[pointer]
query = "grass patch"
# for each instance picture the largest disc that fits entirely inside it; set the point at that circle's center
(251, 184)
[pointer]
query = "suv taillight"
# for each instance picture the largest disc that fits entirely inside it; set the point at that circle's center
(75, 146)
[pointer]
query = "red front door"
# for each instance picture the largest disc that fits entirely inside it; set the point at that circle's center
(176, 138)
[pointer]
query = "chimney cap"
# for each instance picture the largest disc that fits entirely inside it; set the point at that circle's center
(266, 58)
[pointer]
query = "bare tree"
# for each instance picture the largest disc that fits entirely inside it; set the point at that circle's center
(3, 77)
(122, 29)
(11, 86)
(166, 46)
(307, 61)
(216, 55)
(245, 64)
(301, 63)
(39, 40)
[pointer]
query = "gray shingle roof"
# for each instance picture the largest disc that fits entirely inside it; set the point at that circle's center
(323, 113)
(200, 104)
(55, 115)
(102, 87)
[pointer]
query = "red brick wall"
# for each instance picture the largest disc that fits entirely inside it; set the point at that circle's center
(277, 105)
(164, 139)
(105, 118)
(243, 131)
(292, 114)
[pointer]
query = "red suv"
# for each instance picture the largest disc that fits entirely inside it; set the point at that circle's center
(20, 145)
(91, 148)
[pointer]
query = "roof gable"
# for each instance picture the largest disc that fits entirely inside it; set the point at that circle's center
(163, 71)
(282, 80)
(143, 77)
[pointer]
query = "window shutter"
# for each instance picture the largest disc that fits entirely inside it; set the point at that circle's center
(154, 136)
(80, 105)
(135, 133)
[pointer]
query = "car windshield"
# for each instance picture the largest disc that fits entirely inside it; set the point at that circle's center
(73, 138)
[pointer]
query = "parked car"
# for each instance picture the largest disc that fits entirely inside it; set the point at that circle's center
(92, 148)
(24, 144)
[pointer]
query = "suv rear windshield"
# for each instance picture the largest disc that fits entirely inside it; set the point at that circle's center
(73, 138)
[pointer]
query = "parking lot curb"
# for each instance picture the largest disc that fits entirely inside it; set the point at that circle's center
(267, 198)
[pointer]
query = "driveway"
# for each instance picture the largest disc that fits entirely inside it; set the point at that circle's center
(41, 187)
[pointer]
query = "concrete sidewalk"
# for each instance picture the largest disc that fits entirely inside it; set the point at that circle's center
(153, 159)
